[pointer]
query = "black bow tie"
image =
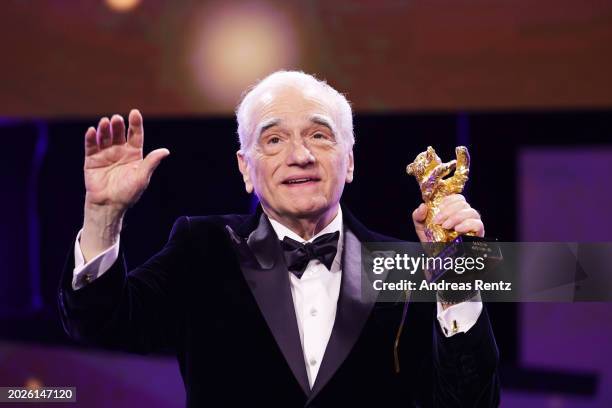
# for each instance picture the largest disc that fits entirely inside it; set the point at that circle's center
(297, 254)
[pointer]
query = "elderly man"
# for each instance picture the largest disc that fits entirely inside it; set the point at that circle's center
(261, 309)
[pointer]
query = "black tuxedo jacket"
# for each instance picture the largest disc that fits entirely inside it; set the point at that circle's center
(218, 295)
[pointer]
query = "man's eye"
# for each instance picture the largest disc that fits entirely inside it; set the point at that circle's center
(319, 136)
(274, 140)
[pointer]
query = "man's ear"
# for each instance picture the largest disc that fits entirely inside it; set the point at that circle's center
(351, 167)
(243, 166)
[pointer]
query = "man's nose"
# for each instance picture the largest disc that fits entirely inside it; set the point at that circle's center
(299, 154)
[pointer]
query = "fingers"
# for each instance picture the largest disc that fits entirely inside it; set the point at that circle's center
(418, 217)
(135, 135)
(108, 133)
(91, 145)
(420, 213)
(112, 132)
(471, 225)
(117, 130)
(449, 206)
(453, 198)
(458, 217)
(103, 134)
(152, 161)
(455, 213)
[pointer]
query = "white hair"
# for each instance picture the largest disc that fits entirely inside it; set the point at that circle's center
(342, 113)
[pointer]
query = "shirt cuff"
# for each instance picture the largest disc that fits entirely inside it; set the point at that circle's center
(85, 273)
(461, 317)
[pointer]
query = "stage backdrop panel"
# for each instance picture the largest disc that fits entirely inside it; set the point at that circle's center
(565, 196)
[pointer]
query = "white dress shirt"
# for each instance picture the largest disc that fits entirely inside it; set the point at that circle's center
(315, 295)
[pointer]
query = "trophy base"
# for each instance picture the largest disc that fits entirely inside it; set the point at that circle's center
(485, 254)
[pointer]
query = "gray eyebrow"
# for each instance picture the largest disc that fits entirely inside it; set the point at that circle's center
(323, 121)
(265, 125)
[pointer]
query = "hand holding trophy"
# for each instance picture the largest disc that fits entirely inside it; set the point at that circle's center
(436, 182)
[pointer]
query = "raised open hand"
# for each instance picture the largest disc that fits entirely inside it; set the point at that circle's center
(116, 174)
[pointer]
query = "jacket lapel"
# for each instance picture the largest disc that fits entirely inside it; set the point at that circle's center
(264, 269)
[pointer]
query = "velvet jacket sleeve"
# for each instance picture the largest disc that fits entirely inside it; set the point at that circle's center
(465, 367)
(137, 311)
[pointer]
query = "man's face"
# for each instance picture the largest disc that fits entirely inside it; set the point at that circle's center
(298, 163)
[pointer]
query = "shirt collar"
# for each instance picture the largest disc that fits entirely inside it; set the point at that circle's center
(282, 231)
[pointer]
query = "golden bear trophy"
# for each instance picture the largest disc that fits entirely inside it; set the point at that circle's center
(430, 173)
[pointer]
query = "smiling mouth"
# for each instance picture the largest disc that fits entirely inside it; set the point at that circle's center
(302, 180)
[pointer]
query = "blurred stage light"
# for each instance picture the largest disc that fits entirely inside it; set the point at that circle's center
(33, 383)
(122, 5)
(233, 45)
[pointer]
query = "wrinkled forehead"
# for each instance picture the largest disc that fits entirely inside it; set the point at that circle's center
(291, 106)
